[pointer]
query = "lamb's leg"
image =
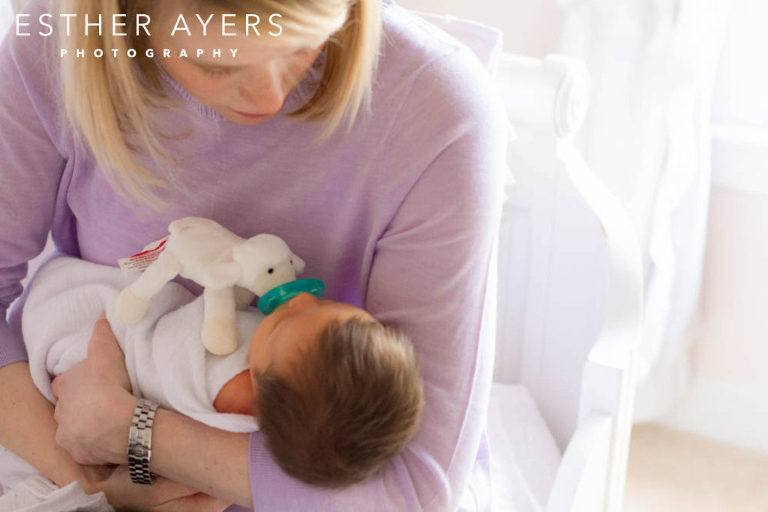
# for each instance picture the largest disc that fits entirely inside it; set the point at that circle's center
(219, 332)
(133, 301)
(243, 297)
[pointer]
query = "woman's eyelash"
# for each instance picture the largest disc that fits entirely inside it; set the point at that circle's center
(217, 72)
(224, 71)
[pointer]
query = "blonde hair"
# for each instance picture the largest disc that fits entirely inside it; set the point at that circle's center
(109, 101)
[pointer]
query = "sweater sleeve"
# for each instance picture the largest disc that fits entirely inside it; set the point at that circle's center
(428, 277)
(30, 171)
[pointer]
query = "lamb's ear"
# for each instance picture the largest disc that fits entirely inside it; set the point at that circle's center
(298, 264)
(239, 254)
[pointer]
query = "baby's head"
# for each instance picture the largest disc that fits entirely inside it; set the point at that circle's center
(337, 393)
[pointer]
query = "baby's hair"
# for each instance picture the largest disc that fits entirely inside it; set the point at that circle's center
(109, 101)
(351, 401)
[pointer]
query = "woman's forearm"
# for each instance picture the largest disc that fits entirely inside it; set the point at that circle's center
(94, 412)
(201, 457)
(27, 427)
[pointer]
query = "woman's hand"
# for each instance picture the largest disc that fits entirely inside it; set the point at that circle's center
(162, 496)
(94, 413)
(95, 407)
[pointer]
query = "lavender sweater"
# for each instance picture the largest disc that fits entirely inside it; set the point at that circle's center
(397, 216)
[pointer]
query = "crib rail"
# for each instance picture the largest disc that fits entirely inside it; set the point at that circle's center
(608, 382)
(582, 480)
(571, 337)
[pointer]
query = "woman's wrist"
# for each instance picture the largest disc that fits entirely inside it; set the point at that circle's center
(93, 479)
(118, 444)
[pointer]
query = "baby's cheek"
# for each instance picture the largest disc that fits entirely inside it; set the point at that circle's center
(236, 397)
(256, 352)
(252, 351)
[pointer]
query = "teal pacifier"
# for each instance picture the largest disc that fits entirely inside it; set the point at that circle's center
(285, 292)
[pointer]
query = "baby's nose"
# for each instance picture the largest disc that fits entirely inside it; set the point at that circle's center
(303, 300)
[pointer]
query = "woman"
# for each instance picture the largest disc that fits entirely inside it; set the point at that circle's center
(361, 135)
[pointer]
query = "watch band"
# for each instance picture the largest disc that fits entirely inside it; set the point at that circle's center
(140, 442)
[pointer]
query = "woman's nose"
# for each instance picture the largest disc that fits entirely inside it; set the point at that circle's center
(266, 97)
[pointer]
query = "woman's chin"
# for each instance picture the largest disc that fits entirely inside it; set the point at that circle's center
(245, 120)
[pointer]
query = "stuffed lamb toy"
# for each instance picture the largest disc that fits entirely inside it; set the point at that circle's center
(232, 270)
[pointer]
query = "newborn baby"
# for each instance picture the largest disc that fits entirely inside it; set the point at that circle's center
(335, 393)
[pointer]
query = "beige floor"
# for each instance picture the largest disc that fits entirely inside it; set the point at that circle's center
(670, 471)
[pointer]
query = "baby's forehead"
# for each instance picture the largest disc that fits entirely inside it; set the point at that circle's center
(351, 310)
(308, 328)
(302, 331)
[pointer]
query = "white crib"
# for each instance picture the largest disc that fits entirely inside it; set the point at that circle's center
(569, 296)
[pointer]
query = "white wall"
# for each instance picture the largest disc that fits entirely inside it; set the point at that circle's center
(740, 94)
(530, 27)
(729, 394)
(6, 17)
(728, 401)
(740, 109)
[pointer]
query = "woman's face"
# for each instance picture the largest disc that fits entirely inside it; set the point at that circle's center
(281, 336)
(248, 88)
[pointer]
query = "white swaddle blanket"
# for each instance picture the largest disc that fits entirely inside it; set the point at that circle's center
(166, 360)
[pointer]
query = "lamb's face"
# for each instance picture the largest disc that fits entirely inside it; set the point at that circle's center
(266, 262)
(271, 276)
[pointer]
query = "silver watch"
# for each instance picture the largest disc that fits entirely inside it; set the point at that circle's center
(140, 442)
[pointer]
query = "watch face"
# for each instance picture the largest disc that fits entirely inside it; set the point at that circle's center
(137, 451)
